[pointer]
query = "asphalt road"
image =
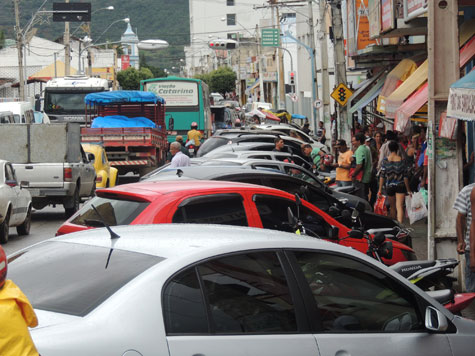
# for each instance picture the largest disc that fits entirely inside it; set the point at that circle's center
(44, 224)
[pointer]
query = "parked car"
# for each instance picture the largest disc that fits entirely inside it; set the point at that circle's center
(289, 130)
(211, 202)
(51, 159)
(106, 176)
(6, 117)
(15, 203)
(22, 111)
(319, 196)
(218, 290)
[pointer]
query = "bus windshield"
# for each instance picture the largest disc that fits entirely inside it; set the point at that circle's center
(71, 102)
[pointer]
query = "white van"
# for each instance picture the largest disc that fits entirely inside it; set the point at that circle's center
(22, 111)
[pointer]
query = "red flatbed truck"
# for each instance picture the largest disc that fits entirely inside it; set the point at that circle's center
(129, 149)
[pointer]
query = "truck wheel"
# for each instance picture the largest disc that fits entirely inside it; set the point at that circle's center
(4, 229)
(24, 228)
(75, 204)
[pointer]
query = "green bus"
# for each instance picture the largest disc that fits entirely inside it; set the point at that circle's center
(186, 101)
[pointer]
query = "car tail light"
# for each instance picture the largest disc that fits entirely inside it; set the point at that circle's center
(99, 179)
(68, 174)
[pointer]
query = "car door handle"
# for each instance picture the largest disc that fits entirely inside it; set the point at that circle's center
(197, 355)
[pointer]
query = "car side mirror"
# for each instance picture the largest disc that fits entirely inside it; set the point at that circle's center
(435, 320)
(171, 123)
(356, 234)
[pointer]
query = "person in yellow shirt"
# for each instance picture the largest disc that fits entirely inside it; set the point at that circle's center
(343, 165)
(195, 135)
(16, 315)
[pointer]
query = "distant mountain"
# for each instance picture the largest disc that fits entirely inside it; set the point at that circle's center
(159, 19)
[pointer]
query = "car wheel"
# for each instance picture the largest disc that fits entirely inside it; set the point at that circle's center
(24, 228)
(4, 229)
(75, 206)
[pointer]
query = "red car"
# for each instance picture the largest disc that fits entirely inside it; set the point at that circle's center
(211, 202)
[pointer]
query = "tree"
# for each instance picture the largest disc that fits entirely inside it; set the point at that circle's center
(130, 78)
(156, 71)
(222, 80)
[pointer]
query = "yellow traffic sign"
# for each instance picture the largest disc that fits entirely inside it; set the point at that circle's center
(341, 94)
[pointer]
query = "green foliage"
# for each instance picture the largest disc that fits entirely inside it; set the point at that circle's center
(160, 19)
(130, 78)
(2, 39)
(222, 80)
(156, 71)
(204, 77)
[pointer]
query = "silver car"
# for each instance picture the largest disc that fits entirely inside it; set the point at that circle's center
(185, 290)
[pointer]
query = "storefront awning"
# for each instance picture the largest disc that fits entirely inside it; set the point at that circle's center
(411, 84)
(368, 98)
(467, 52)
(462, 98)
(254, 86)
(395, 77)
(410, 107)
(363, 87)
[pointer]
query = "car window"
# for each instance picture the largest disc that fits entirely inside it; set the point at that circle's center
(273, 212)
(9, 174)
(311, 194)
(355, 297)
(259, 157)
(183, 305)
(113, 211)
(70, 278)
(211, 144)
(223, 209)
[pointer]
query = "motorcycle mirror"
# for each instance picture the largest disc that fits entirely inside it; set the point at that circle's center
(297, 200)
(355, 214)
(379, 238)
(360, 207)
(386, 250)
(356, 234)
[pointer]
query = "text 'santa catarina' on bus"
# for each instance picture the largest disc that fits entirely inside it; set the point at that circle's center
(186, 101)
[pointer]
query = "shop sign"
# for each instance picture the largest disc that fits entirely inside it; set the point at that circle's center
(374, 17)
(413, 5)
(358, 26)
(270, 76)
(125, 61)
(461, 104)
(387, 15)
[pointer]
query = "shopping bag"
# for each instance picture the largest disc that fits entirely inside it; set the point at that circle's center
(415, 207)
(424, 195)
(380, 205)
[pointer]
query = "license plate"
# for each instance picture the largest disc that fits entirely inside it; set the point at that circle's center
(191, 150)
(34, 192)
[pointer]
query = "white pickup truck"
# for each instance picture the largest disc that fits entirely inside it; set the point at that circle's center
(51, 159)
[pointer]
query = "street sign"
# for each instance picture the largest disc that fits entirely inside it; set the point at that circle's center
(71, 11)
(341, 94)
(270, 37)
(317, 104)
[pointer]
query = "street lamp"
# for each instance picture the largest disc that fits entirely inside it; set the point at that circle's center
(126, 20)
(108, 8)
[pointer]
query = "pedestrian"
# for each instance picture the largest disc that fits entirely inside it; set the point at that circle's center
(237, 123)
(306, 127)
(182, 149)
(179, 158)
(315, 154)
(16, 316)
(384, 151)
(279, 144)
(321, 133)
(256, 119)
(362, 162)
(394, 177)
(465, 205)
(343, 165)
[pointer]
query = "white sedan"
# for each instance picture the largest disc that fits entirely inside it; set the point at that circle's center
(15, 203)
(184, 289)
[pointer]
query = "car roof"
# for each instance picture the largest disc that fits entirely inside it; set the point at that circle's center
(179, 240)
(211, 172)
(150, 190)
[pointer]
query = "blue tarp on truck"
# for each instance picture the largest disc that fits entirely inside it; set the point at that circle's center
(121, 121)
(122, 96)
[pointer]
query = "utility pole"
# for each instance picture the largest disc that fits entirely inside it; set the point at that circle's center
(259, 61)
(324, 57)
(281, 68)
(19, 46)
(340, 66)
(315, 117)
(67, 48)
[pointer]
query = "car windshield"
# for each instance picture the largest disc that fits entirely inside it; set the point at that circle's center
(71, 278)
(113, 211)
(211, 144)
